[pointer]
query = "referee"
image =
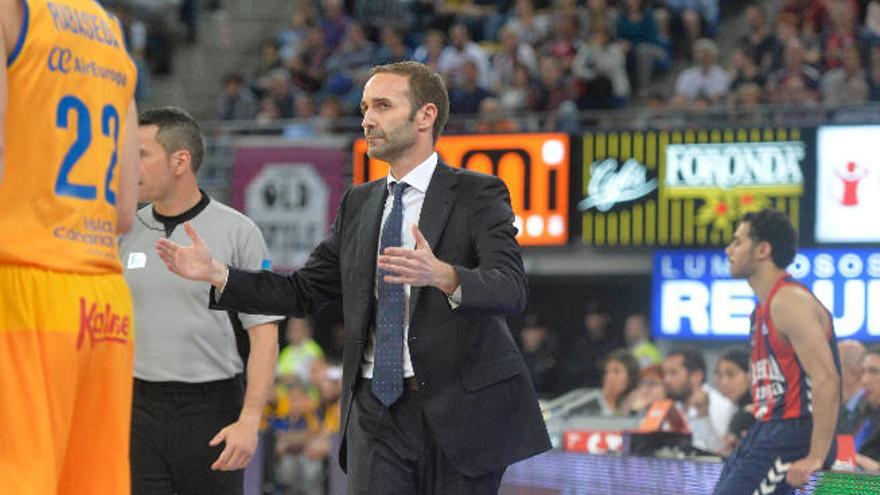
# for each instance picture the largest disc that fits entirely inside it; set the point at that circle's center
(194, 422)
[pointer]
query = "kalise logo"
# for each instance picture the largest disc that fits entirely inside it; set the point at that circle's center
(101, 324)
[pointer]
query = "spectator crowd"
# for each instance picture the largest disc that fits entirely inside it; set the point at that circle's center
(563, 56)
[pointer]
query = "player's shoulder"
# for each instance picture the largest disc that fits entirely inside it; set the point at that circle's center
(793, 302)
(792, 295)
(11, 18)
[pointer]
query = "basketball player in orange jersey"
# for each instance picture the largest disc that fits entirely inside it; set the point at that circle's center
(68, 186)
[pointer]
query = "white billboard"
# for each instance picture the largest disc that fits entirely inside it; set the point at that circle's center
(848, 184)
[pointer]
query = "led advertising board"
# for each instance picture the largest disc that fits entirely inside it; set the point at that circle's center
(847, 184)
(685, 188)
(694, 298)
(535, 168)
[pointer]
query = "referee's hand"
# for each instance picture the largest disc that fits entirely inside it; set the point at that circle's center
(241, 443)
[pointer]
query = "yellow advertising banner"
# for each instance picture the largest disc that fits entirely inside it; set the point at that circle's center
(685, 187)
(535, 168)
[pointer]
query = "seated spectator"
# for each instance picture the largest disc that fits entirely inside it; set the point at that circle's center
(268, 112)
(392, 49)
(460, 50)
(620, 378)
(328, 379)
(601, 10)
(292, 37)
(334, 22)
(787, 31)
(466, 95)
(867, 430)
(554, 89)
(482, 17)
(646, 51)
(871, 31)
(237, 101)
(383, 14)
(514, 93)
(307, 67)
(812, 11)
(848, 84)
(601, 65)
(732, 379)
(431, 49)
(512, 52)
(538, 354)
(759, 43)
(295, 472)
(638, 340)
(276, 86)
(842, 34)
(851, 353)
(707, 411)
(649, 390)
(563, 46)
(269, 60)
(571, 9)
(705, 78)
(874, 71)
(296, 357)
(349, 64)
(746, 103)
(305, 114)
(493, 119)
(796, 82)
(591, 346)
(812, 40)
(533, 28)
(696, 17)
(329, 113)
(744, 71)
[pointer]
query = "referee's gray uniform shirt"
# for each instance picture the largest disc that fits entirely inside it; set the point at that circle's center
(177, 338)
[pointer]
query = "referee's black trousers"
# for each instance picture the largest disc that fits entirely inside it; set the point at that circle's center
(171, 425)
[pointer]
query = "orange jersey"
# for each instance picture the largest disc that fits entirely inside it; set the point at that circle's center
(71, 83)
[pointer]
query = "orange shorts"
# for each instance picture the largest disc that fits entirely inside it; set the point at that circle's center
(66, 356)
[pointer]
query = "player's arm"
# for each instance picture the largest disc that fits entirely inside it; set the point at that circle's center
(9, 12)
(4, 94)
(798, 319)
(240, 438)
(129, 173)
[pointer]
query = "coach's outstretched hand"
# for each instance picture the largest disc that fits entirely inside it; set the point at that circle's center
(191, 262)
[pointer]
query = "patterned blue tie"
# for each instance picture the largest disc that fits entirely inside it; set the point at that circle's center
(388, 359)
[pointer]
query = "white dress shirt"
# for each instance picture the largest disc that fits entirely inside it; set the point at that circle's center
(413, 199)
(708, 431)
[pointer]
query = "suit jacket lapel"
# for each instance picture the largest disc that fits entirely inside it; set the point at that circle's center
(435, 211)
(368, 245)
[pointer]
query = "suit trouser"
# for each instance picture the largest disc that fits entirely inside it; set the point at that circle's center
(171, 425)
(392, 450)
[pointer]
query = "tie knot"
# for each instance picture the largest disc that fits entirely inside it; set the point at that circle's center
(397, 189)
